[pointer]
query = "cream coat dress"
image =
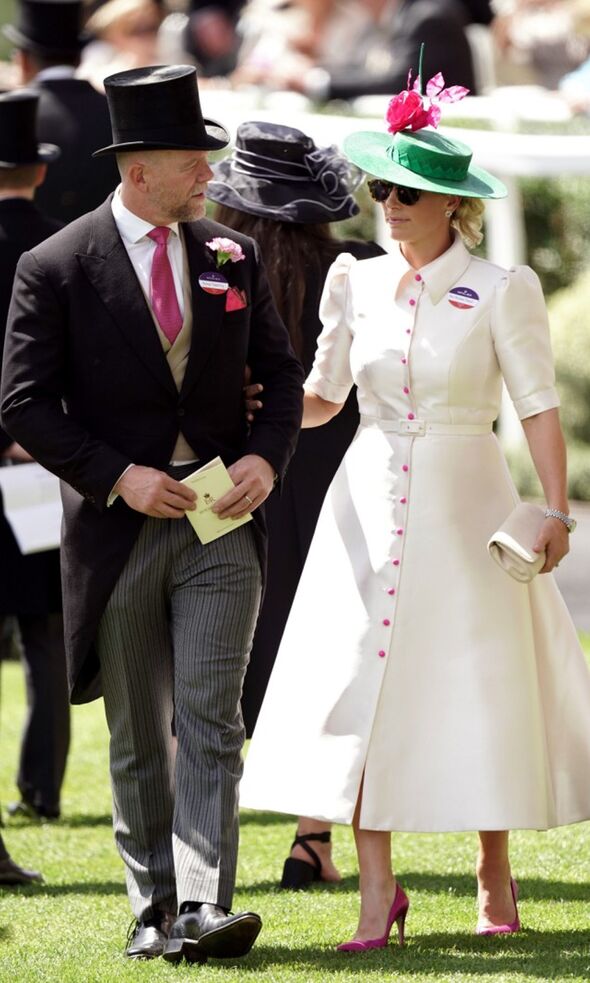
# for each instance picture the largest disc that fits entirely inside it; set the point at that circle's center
(410, 657)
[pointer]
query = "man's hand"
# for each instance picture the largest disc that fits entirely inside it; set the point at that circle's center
(155, 493)
(253, 477)
(14, 452)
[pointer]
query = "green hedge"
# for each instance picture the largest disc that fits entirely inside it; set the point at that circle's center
(7, 9)
(568, 312)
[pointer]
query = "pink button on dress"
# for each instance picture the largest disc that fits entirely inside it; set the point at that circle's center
(486, 674)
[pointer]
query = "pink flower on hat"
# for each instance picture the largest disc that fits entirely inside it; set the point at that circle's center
(226, 250)
(410, 110)
(407, 111)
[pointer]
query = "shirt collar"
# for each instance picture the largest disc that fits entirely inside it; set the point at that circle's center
(131, 226)
(55, 73)
(439, 275)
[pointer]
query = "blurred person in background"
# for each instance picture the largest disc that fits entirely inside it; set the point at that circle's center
(538, 40)
(11, 874)
(211, 37)
(342, 49)
(48, 40)
(30, 585)
(575, 86)
(124, 35)
(286, 193)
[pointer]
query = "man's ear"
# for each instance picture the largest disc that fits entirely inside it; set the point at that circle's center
(136, 174)
(40, 175)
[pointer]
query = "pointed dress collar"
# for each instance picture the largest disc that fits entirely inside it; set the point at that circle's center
(439, 275)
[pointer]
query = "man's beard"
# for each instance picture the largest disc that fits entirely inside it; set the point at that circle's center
(179, 211)
(189, 212)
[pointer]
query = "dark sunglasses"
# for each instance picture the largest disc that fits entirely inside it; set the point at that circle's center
(381, 190)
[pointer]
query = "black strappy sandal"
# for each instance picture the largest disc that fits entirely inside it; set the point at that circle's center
(298, 874)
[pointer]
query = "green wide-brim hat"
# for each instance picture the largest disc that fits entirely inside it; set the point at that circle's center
(426, 160)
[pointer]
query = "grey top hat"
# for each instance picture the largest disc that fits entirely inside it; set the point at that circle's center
(19, 145)
(158, 108)
(50, 28)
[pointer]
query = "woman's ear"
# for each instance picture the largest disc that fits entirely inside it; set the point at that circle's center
(452, 204)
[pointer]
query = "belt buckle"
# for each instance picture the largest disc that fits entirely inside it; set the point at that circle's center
(417, 428)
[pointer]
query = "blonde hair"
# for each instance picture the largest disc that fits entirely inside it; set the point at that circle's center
(468, 221)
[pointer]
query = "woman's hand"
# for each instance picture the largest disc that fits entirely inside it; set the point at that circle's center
(554, 539)
(250, 402)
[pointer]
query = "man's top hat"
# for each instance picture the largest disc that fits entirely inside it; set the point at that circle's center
(18, 131)
(49, 28)
(158, 108)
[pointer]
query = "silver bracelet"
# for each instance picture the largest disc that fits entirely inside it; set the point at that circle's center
(567, 520)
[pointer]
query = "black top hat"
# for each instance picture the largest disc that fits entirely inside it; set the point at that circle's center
(50, 28)
(279, 173)
(158, 108)
(18, 131)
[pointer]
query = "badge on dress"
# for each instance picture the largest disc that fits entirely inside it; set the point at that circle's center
(463, 298)
(213, 282)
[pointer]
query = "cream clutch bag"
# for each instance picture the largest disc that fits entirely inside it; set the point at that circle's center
(512, 545)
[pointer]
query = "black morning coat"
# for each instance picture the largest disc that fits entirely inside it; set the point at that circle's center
(72, 114)
(80, 331)
(28, 585)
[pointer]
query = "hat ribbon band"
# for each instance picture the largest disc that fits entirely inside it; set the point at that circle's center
(324, 166)
(452, 169)
(258, 165)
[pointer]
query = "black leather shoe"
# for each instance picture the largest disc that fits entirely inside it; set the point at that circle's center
(147, 938)
(12, 874)
(25, 810)
(209, 931)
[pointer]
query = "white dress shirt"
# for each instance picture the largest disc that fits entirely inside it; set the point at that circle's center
(140, 249)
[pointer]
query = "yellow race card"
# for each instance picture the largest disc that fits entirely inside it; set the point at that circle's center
(211, 482)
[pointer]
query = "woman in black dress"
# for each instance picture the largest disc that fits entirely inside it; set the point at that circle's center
(285, 192)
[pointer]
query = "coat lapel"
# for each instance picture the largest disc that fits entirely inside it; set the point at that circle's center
(109, 270)
(208, 309)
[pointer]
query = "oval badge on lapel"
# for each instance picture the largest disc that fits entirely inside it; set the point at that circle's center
(463, 297)
(213, 283)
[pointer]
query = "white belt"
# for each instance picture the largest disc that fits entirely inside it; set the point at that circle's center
(419, 428)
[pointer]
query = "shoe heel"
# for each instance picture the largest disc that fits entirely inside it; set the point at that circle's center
(401, 926)
(177, 949)
(297, 874)
(173, 950)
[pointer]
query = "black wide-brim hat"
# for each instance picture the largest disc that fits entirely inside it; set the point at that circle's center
(158, 108)
(277, 172)
(49, 28)
(19, 145)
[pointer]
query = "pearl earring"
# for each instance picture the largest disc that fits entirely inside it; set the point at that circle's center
(448, 213)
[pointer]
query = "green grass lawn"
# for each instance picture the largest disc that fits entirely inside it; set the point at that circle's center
(73, 928)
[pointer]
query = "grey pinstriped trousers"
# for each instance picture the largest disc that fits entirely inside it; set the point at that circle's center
(174, 641)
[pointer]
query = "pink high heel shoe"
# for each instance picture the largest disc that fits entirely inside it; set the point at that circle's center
(397, 913)
(503, 929)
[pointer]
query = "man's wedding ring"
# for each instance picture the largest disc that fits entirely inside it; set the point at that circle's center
(249, 500)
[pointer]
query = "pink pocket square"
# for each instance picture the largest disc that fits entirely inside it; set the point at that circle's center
(235, 300)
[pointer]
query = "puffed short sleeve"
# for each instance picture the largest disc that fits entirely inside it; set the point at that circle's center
(330, 375)
(522, 341)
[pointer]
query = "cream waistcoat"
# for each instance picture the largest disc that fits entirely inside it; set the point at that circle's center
(178, 353)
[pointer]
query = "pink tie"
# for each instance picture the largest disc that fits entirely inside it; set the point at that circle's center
(162, 289)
